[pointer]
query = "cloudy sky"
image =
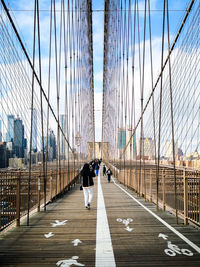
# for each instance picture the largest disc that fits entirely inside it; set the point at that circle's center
(23, 13)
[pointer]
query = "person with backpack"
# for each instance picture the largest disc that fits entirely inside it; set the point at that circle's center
(109, 173)
(87, 174)
(104, 170)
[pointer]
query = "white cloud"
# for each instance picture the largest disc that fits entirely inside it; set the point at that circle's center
(98, 76)
(98, 115)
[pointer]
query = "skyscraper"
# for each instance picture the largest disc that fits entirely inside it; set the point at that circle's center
(18, 138)
(146, 144)
(0, 132)
(121, 138)
(34, 132)
(52, 143)
(169, 149)
(10, 132)
(62, 124)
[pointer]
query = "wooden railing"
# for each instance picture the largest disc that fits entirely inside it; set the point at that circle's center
(14, 191)
(185, 198)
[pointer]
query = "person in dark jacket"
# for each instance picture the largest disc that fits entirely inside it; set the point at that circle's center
(104, 170)
(87, 174)
(97, 169)
(109, 173)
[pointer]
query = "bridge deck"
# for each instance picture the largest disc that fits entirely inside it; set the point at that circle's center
(141, 241)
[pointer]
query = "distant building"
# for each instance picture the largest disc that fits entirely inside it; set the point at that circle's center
(52, 143)
(5, 154)
(50, 153)
(9, 146)
(180, 153)
(63, 148)
(0, 132)
(10, 128)
(121, 138)
(18, 140)
(147, 148)
(34, 131)
(126, 139)
(17, 163)
(193, 156)
(169, 149)
(51, 149)
(45, 143)
(98, 150)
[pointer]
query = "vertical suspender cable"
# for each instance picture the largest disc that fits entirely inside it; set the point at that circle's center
(32, 99)
(133, 91)
(57, 90)
(125, 60)
(73, 79)
(138, 30)
(160, 109)
(67, 86)
(59, 74)
(48, 86)
(120, 85)
(65, 40)
(142, 101)
(73, 82)
(151, 60)
(76, 78)
(31, 65)
(42, 124)
(89, 10)
(70, 72)
(172, 118)
(122, 81)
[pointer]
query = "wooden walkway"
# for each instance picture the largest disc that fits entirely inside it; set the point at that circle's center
(138, 237)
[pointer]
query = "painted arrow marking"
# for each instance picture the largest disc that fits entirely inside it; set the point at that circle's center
(49, 235)
(126, 223)
(128, 229)
(58, 223)
(69, 262)
(165, 237)
(76, 242)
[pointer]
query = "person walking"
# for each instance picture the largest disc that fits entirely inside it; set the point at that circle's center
(109, 173)
(97, 169)
(104, 170)
(87, 174)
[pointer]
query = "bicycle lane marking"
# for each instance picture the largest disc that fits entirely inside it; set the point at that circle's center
(104, 250)
(190, 243)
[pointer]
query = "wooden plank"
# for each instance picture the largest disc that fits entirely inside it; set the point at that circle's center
(27, 246)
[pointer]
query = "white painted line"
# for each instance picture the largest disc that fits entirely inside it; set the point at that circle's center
(104, 250)
(190, 243)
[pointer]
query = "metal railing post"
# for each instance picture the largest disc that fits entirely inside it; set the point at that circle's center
(163, 181)
(185, 198)
(51, 185)
(151, 185)
(38, 196)
(18, 200)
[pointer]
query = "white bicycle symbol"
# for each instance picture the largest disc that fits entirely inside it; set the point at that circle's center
(172, 250)
(125, 221)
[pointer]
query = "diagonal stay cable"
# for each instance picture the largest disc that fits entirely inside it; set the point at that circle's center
(163, 67)
(35, 74)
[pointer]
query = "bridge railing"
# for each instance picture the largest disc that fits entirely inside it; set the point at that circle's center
(14, 191)
(185, 198)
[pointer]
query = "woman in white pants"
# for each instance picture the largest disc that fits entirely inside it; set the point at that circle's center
(87, 173)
